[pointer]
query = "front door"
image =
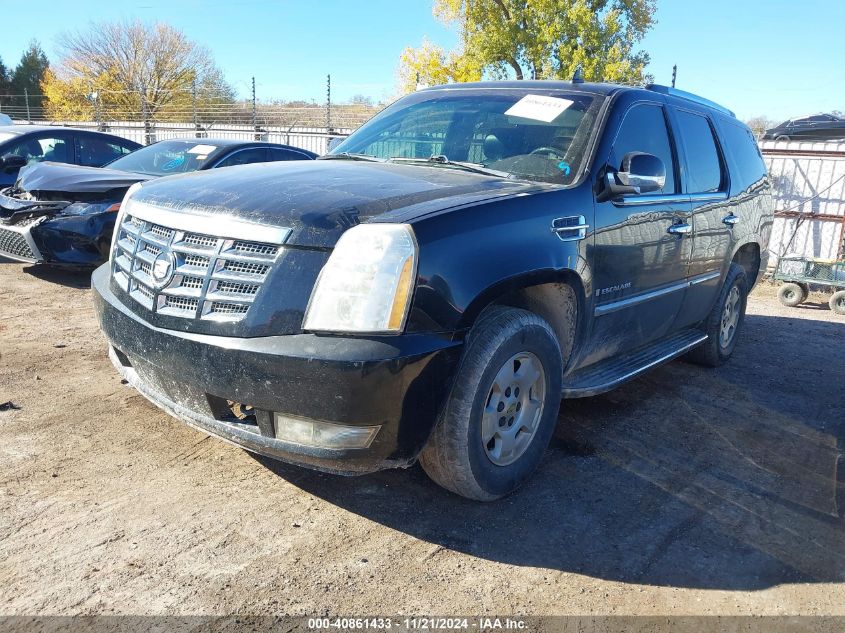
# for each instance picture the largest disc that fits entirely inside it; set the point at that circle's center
(641, 250)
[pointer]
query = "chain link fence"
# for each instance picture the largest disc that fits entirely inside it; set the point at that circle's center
(307, 125)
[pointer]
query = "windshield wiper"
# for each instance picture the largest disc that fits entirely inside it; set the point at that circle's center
(439, 159)
(352, 156)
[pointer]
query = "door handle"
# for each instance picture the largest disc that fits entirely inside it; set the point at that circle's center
(731, 219)
(679, 229)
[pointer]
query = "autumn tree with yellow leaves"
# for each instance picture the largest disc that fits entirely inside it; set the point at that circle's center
(534, 39)
(123, 70)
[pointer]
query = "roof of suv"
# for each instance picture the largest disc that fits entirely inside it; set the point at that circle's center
(583, 86)
(597, 88)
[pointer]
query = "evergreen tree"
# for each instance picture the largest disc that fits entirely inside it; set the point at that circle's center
(27, 78)
(5, 87)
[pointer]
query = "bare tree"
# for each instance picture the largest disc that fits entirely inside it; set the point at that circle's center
(140, 66)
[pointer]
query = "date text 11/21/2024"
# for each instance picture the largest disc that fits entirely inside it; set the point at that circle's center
(417, 623)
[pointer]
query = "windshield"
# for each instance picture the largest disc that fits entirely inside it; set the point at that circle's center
(167, 157)
(531, 134)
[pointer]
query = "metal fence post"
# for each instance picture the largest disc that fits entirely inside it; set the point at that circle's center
(257, 136)
(98, 109)
(26, 98)
(145, 117)
(329, 103)
(194, 106)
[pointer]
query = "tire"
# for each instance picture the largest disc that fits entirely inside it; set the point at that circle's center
(791, 294)
(782, 138)
(504, 343)
(718, 348)
(837, 302)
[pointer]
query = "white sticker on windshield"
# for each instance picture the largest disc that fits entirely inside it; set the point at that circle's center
(539, 108)
(202, 149)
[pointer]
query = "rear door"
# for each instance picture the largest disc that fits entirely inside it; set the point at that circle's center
(704, 179)
(94, 150)
(639, 266)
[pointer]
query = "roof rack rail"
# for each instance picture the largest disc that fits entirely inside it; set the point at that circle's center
(683, 94)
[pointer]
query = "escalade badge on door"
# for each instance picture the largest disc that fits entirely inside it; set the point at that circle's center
(163, 268)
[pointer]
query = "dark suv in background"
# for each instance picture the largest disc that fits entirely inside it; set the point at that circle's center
(818, 127)
(436, 285)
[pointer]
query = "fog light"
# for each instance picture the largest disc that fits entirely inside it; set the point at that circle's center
(323, 434)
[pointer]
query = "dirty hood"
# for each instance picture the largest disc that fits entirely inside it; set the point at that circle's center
(321, 199)
(71, 179)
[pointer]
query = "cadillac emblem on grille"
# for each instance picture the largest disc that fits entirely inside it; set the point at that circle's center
(175, 271)
(163, 267)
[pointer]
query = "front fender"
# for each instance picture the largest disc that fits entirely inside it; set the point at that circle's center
(473, 255)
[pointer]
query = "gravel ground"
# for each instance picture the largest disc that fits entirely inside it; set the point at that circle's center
(688, 491)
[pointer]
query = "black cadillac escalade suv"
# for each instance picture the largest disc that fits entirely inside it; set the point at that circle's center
(434, 287)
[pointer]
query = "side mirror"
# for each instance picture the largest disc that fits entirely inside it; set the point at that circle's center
(11, 162)
(640, 173)
(644, 171)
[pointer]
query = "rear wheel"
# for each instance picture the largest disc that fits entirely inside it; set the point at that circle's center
(782, 138)
(725, 321)
(837, 302)
(791, 294)
(503, 407)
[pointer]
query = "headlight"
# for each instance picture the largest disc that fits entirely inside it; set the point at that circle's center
(91, 208)
(366, 285)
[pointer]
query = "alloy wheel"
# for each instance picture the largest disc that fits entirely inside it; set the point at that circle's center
(730, 317)
(513, 409)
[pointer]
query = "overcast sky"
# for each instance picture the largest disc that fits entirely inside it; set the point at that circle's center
(757, 57)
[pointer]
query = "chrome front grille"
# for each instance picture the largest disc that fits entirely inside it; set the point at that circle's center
(212, 277)
(246, 268)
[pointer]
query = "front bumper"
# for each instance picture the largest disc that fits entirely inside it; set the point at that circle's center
(37, 233)
(16, 243)
(398, 382)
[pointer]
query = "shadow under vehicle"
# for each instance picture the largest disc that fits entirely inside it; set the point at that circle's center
(726, 479)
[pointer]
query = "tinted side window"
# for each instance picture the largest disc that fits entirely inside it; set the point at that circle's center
(95, 152)
(704, 168)
(44, 147)
(284, 154)
(746, 154)
(245, 157)
(644, 130)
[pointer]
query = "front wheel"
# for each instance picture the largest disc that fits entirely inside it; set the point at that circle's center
(503, 407)
(723, 324)
(837, 302)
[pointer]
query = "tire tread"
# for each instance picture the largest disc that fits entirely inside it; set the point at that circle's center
(445, 458)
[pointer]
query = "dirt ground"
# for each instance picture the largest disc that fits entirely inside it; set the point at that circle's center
(688, 491)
